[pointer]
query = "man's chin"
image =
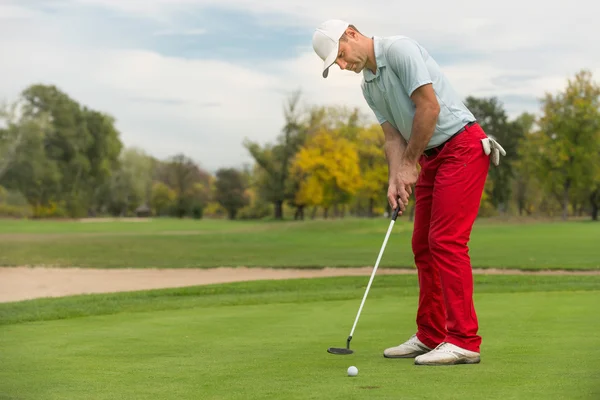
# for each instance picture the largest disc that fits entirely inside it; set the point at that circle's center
(360, 68)
(356, 69)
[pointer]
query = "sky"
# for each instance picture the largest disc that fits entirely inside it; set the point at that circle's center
(199, 77)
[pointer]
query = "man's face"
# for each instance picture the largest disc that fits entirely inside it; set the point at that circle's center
(350, 55)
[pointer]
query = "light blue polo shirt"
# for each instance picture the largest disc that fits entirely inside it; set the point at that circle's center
(402, 66)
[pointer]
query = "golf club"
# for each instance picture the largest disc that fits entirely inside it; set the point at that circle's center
(341, 350)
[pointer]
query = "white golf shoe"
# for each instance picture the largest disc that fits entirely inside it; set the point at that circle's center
(448, 354)
(409, 349)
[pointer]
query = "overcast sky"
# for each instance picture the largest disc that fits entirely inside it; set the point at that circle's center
(199, 76)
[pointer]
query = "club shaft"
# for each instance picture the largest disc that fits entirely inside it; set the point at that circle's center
(373, 275)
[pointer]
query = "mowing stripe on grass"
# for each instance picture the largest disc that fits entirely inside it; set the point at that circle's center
(536, 345)
(269, 292)
(339, 243)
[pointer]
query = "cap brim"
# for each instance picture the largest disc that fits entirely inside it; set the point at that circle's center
(329, 61)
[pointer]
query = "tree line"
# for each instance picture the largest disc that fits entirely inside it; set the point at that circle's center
(59, 158)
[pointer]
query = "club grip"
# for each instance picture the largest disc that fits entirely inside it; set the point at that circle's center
(395, 214)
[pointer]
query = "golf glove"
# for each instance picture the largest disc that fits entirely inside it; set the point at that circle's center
(493, 147)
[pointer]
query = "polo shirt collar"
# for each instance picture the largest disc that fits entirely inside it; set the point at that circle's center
(379, 59)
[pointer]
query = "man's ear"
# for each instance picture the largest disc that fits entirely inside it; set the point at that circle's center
(351, 33)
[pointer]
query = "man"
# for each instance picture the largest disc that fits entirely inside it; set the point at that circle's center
(424, 122)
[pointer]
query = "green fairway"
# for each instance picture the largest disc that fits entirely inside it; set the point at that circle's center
(349, 242)
(268, 340)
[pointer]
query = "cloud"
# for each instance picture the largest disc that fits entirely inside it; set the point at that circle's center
(165, 105)
(200, 76)
(8, 11)
(158, 101)
(185, 32)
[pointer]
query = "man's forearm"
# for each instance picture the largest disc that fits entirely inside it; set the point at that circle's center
(394, 152)
(422, 130)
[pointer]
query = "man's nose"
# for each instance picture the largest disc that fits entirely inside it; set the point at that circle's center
(343, 64)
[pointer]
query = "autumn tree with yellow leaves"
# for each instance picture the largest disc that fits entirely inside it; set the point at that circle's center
(328, 169)
(333, 158)
(373, 166)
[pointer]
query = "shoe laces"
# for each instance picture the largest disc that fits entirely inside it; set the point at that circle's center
(444, 346)
(413, 339)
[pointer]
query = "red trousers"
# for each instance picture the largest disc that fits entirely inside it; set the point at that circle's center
(448, 194)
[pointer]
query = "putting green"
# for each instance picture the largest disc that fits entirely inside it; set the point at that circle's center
(536, 344)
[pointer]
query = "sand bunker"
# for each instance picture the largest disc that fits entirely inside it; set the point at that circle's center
(22, 283)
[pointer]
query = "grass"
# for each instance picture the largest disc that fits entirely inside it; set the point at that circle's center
(340, 243)
(266, 292)
(268, 339)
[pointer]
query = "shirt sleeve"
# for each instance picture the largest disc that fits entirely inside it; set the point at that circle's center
(380, 118)
(406, 60)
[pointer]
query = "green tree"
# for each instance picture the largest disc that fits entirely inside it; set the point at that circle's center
(103, 154)
(182, 175)
(595, 199)
(11, 134)
(230, 190)
(84, 144)
(66, 143)
(525, 180)
(25, 166)
(129, 185)
(162, 198)
(275, 159)
(567, 143)
(258, 207)
(492, 117)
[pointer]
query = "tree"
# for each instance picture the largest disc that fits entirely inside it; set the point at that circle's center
(568, 141)
(524, 177)
(595, 200)
(11, 134)
(230, 190)
(256, 179)
(162, 198)
(103, 155)
(182, 175)
(373, 165)
(25, 166)
(328, 165)
(275, 159)
(82, 142)
(129, 184)
(490, 114)
(66, 143)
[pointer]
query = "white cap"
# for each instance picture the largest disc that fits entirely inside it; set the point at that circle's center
(326, 41)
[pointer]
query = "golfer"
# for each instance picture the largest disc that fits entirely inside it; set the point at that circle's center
(425, 123)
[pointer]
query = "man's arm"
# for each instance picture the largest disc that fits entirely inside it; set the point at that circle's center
(426, 114)
(403, 163)
(408, 63)
(395, 146)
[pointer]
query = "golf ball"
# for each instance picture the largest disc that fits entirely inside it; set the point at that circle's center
(352, 371)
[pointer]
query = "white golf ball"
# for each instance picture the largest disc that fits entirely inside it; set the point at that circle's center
(352, 371)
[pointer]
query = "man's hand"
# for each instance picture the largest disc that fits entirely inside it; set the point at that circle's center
(400, 186)
(405, 175)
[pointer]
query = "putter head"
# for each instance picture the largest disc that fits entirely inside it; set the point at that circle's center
(339, 350)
